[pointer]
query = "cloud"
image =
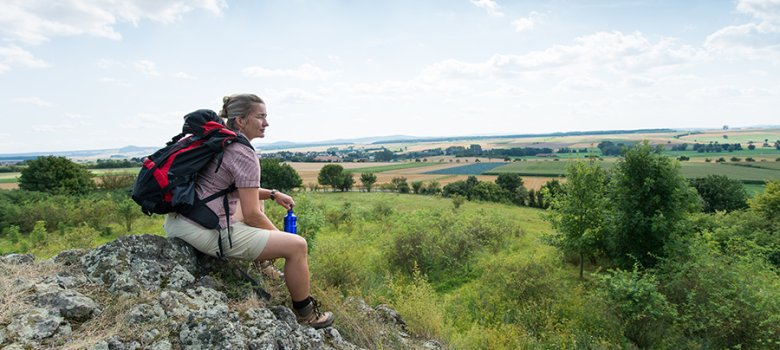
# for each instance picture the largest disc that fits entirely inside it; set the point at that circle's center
(114, 81)
(304, 72)
(295, 96)
(489, 5)
(35, 21)
(148, 68)
(183, 76)
(613, 51)
(765, 10)
(527, 23)
(582, 83)
(36, 101)
(16, 56)
(758, 39)
(638, 81)
(154, 121)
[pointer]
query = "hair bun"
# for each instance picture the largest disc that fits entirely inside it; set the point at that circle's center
(226, 99)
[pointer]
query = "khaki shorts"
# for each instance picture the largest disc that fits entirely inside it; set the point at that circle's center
(248, 241)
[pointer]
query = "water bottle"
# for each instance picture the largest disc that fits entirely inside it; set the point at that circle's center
(291, 222)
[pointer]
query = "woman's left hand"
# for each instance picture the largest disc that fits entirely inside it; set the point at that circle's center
(284, 200)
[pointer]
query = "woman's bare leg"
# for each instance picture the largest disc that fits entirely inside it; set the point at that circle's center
(293, 249)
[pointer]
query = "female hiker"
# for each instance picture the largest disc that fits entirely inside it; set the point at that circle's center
(254, 237)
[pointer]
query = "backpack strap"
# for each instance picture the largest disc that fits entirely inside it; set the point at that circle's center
(226, 205)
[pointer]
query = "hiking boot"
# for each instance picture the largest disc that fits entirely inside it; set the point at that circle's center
(267, 268)
(310, 315)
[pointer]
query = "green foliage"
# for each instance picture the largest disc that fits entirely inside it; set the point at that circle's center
(277, 175)
(110, 181)
(417, 301)
(649, 200)
(768, 203)
(368, 180)
(128, 212)
(457, 201)
(509, 181)
(331, 175)
(579, 213)
(718, 192)
(347, 181)
(645, 312)
(724, 300)
(38, 235)
(400, 184)
(56, 175)
(417, 187)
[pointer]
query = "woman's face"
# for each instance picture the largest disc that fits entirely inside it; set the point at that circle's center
(253, 126)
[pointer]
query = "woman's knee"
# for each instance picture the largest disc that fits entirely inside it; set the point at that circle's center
(300, 247)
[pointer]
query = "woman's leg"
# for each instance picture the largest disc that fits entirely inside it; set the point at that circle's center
(293, 249)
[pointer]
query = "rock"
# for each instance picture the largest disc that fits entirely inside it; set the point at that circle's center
(14, 347)
(389, 315)
(433, 345)
(17, 259)
(334, 338)
(69, 257)
(145, 313)
(36, 324)
(131, 264)
(116, 343)
(161, 345)
(101, 345)
(70, 304)
(2, 336)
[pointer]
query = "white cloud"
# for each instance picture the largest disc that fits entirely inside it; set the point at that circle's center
(582, 83)
(638, 81)
(295, 96)
(527, 23)
(154, 121)
(765, 10)
(113, 81)
(16, 56)
(148, 68)
(614, 51)
(305, 72)
(183, 76)
(36, 101)
(36, 21)
(759, 39)
(489, 5)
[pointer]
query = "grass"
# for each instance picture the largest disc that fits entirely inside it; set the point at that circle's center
(383, 168)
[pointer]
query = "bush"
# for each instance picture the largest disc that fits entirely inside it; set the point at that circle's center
(56, 175)
(418, 303)
(644, 311)
(116, 181)
(725, 300)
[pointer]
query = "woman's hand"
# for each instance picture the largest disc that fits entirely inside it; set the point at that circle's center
(284, 200)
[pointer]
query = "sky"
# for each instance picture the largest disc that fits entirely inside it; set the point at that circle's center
(97, 74)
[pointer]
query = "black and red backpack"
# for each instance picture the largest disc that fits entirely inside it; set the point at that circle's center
(166, 182)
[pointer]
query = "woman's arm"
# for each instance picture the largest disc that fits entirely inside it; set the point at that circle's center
(280, 198)
(251, 212)
(239, 216)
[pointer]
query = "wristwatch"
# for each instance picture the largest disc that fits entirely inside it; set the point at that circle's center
(273, 195)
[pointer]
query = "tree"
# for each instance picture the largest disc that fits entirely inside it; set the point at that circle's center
(548, 192)
(56, 175)
(400, 184)
(650, 200)
(417, 187)
(277, 175)
(720, 193)
(331, 175)
(509, 181)
(347, 181)
(579, 212)
(368, 180)
(767, 204)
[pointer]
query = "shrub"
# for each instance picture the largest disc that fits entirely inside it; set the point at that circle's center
(645, 312)
(418, 303)
(56, 175)
(116, 181)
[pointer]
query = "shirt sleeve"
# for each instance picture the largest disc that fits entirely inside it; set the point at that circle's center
(244, 166)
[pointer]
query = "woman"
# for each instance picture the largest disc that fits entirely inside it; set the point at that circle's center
(256, 238)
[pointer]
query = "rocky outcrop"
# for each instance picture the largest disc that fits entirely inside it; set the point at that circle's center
(146, 292)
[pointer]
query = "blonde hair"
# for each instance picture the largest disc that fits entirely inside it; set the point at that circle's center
(237, 106)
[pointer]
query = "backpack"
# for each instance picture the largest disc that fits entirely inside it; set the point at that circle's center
(166, 182)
